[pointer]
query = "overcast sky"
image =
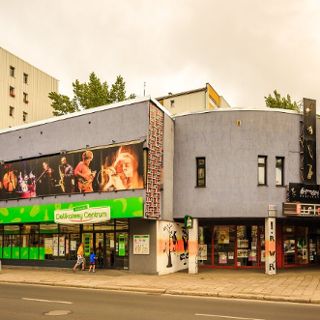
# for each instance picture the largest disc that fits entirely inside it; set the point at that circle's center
(244, 48)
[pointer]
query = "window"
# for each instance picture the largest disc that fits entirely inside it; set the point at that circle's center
(279, 171)
(12, 71)
(11, 111)
(25, 97)
(25, 78)
(24, 116)
(11, 91)
(262, 170)
(201, 172)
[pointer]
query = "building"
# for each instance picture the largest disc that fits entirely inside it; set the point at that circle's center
(200, 99)
(122, 179)
(102, 177)
(232, 167)
(24, 91)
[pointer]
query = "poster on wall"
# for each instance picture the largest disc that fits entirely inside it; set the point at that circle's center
(55, 244)
(203, 252)
(92, 170)
(61, 246)
(141, 244)
(48, 246)
(223, 234)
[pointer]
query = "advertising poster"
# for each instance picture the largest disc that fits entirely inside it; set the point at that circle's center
(62, 246)
(55, 245)
(223, 235)
(92, 170)
(203, 252)
(141, 244)
(48, 246)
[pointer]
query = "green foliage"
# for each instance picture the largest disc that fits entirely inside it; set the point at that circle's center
(118, 90)
(62, 104)
(89, 94)
(281, 102)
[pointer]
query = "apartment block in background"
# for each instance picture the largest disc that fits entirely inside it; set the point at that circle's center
(24, 91)
(195, 100)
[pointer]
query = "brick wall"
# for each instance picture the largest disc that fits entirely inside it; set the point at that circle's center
(155, 162)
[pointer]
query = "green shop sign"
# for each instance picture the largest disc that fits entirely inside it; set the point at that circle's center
(119, 208)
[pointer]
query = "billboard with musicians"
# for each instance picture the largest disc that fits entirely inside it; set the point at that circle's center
(92, 170)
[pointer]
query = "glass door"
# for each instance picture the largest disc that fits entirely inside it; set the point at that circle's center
(100, 249)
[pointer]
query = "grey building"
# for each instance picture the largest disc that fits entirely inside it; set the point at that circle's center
(230, 166)
(101, 176)
(121, 179)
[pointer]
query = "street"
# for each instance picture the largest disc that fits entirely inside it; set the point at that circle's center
(36, 302)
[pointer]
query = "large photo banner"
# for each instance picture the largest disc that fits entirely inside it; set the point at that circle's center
(104, 169)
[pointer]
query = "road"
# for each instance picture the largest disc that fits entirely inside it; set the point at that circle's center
(40, 302)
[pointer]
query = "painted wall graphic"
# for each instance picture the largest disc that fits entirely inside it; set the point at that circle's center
(119, 208)
(92, 170)
(172, 247)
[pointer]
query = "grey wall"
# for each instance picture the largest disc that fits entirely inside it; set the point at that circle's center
(143, 263)
(99, 128)
(231, 153)
(168, 154)
(121, 124)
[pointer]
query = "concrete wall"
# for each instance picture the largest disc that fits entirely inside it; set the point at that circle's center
(231, 141)
(168, 153)
(98, 128)
(143, 263)
(190, 102)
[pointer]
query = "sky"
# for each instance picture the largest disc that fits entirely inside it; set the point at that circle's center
(244, 48)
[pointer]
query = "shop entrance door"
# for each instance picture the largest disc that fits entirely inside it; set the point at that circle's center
(104, 249)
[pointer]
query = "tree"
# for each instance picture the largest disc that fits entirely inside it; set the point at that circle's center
(281, 102)
(89, 94)
(62, 104)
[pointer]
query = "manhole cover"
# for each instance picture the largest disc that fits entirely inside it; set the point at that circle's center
(57, 313)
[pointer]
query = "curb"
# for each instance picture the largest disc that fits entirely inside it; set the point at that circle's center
(175, 292)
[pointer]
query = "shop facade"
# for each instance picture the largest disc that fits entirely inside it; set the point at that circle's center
(235, 166)
(101, 177)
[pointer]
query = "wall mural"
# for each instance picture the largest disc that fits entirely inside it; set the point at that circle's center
(172, 246)
(93, 170)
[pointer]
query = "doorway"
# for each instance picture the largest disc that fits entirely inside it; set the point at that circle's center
(104, 247)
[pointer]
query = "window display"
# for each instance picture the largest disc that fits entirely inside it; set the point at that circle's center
(224, 245)
(247, 245)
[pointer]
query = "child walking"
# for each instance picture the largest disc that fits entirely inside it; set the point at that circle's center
(93, 258)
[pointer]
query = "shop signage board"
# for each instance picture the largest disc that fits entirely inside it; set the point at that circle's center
(309, 141)
(301, 209)
(270, 246)
(141, 244)
(81, 215)
(119, 208)
(301, 192)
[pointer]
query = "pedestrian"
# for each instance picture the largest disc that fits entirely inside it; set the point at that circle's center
(93, 258)
(80, 258)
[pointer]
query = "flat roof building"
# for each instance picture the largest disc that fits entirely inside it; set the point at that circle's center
(24, 91)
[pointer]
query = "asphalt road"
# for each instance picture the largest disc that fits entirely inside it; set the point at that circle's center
(40, 302)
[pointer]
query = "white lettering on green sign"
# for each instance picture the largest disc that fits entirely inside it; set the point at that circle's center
(86, 215)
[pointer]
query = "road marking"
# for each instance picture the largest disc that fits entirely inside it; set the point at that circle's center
(48, 301)
(221, 316)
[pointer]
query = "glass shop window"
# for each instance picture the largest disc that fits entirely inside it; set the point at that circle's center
(224, 245)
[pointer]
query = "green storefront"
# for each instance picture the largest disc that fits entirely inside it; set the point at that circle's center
(50, 234)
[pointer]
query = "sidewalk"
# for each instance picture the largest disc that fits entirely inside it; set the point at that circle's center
(298, 285)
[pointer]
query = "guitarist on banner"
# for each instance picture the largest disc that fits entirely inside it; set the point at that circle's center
(84, 174)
